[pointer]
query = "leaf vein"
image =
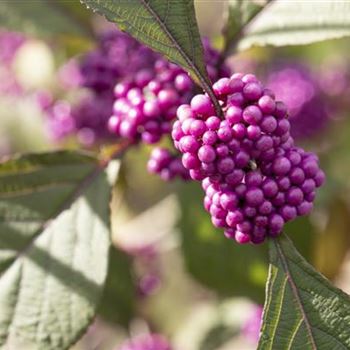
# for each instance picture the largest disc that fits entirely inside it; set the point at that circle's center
(295, 292)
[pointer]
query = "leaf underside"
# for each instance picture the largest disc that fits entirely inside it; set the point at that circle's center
(298, 23)
(302, 308)
(54, 241)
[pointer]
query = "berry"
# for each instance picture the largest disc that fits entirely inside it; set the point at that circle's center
(301, 92)
(257, 205)
(254, 179)
(166, 165)
(157, 91)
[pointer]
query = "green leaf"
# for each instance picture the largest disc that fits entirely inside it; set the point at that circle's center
(303, 310)
(303, 235)
(298, 23)
(167, 26)
(118, 301)
(54, 241)
(333, 243)
(43, 17)
(217, 337)
(214, 260)
(239, 14)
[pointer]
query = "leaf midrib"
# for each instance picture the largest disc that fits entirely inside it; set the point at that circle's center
(295, 292)
(203, 81)
(173, 40)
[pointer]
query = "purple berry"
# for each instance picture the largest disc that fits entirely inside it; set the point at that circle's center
(234, 217)
(281, 166)
(252, 115)
(270, 188)
(242, 238)
(267, 104)
(254, 197)
(304, 208)
(202, 105)
(294, 196)
(252, 91)
(288, 212)
(276, 223)
(225, 165)
(253, 179)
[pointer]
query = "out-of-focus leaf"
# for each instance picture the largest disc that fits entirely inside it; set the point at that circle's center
(302, 309)
(42, 17)
(54, 242)
(218, 263)
(118, 300)
(217, 336)
(298, 22)
(166, 26)
(303, 235)
(239, 14)
(75, 10)
(334, 243)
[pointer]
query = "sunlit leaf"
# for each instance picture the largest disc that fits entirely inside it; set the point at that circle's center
(298, 22)
(54, 242)
(239, 14)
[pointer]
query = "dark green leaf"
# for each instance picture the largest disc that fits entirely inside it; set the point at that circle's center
(302, 308)
(214, 260)
(54, 241)
(298, 22)
(118, 301)
(42, 17)
(166, 26)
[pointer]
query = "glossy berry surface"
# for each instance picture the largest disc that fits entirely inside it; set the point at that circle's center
(145, 104)
(253, 129)
(115, 57)
(262, 202)
(255, 179)
(167, 165)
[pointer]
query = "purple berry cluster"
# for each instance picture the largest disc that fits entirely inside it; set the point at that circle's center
(254, 178)
(167, 165)
(146, 105)
(265, 199)
(301, 92)
(147, 342)
(334, 81)
(116, 57)
(87, 119)
(254, 127)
